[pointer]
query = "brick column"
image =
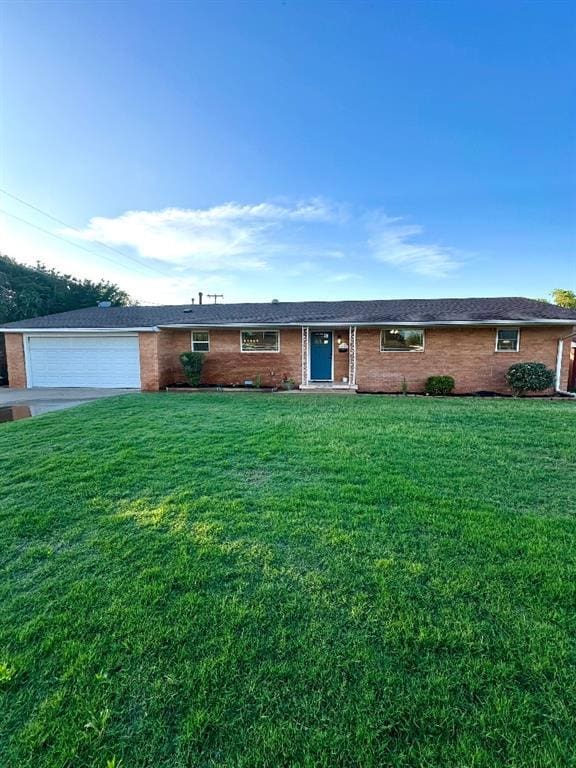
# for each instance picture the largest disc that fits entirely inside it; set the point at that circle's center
(149, 370)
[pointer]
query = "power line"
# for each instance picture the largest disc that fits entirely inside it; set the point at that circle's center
(76, 229)
(70, 242)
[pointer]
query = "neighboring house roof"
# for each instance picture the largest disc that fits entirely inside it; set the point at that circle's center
(387, 311)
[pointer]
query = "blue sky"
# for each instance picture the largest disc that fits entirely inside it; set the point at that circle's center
(293, 149)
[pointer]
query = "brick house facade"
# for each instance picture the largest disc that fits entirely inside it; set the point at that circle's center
(458, 341)
(467, 354)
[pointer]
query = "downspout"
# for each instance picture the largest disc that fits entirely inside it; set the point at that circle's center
(559, 366)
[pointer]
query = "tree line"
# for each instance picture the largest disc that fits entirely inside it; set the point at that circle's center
(32, 291)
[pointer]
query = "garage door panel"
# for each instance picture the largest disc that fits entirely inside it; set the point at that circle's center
(90, 361)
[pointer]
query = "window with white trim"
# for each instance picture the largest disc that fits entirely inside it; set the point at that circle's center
(402, 340)
(507, 340)
(260, 341)
(200, 341)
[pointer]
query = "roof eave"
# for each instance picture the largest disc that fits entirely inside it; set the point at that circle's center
(23, 329)
(314, 324)
(372, 324)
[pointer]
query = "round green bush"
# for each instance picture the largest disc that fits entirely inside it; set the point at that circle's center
(439, 385)
(529, 377)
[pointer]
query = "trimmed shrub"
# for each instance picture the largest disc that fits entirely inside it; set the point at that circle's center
(439, 385)
(192, 363)
(529, 377)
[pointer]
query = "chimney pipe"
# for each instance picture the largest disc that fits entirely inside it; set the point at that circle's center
(191, 301)
(200, 294)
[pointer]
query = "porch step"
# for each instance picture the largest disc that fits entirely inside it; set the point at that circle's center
(341, 389)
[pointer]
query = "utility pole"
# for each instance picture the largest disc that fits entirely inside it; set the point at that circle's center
(215, 296)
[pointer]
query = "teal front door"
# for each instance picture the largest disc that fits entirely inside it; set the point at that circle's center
(321, 355)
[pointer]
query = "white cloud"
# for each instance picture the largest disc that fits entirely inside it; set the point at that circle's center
(343, 277)
(229, 236)
(298, 238)
(145, 286)
(393, 243)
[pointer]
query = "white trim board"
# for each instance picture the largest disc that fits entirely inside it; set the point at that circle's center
(76, 331)
(382, 324)
(336, 324)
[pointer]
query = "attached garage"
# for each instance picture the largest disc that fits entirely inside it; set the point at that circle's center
(83, 360)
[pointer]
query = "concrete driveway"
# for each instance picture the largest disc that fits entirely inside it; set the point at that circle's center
(23, 403)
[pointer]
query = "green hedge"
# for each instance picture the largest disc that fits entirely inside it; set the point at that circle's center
(439, 385)
(529, 377)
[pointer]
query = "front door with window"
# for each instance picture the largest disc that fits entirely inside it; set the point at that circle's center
(321, 355)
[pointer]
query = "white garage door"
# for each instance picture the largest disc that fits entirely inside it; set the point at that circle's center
(83, 361)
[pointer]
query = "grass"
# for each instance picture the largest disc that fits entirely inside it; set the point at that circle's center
(264, 580)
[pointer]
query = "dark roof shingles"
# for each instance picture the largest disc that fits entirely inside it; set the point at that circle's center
(301, 312)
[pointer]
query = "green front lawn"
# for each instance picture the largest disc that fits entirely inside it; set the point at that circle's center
(265, 580)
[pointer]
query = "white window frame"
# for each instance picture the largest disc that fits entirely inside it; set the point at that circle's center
(517, 339)
(402, 328)
(200, 342)
(260, 351)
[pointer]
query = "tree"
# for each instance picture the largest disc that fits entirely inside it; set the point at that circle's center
(564, 298)
(31, 291)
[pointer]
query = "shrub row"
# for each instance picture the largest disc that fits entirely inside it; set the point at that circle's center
(521, 377)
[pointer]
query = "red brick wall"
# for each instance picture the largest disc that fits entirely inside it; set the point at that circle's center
(225, 364)
(465, 353)
(15, 360)
(149, 371)
(160, 358)
(171, 344)
(341, 368)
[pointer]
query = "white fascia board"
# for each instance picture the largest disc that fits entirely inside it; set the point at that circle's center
(76, 331)
(383, 323)
(327, 324)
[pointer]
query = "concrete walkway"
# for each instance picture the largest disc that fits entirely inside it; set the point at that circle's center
(37, 401)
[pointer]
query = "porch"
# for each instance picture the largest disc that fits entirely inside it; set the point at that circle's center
(329, 359)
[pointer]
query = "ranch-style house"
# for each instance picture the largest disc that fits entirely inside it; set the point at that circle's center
(367, 346)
